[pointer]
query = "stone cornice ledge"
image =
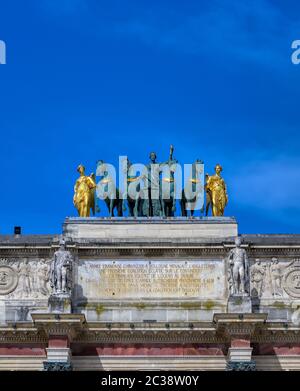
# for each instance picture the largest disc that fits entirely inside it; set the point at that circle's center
(222, 330)
(239, 324)
(59, 324)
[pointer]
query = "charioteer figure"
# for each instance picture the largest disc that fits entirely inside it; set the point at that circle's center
(168, 194)
(151, 201)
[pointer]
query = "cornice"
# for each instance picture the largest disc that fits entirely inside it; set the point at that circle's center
(139, 336)
(217, 332)
(88, 251)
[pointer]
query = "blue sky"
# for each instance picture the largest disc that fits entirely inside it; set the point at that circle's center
(91, 79)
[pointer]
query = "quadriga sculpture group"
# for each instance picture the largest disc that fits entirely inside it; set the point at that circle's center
(155, 190)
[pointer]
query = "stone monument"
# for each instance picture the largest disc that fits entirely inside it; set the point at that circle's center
(238, 279)
(151, 289)
(61, 280)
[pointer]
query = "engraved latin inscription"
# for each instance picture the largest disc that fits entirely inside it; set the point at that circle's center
(151, 279)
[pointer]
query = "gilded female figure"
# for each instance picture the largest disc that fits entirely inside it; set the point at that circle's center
(216, 192)
(84, 193)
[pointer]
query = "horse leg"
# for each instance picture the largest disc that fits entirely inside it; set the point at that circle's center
(183, 207)
(107, 201)
(140, 208)
(120, 207)
(169, 209)
(173, 203)
(111, 207)
(131, 207)
(135, 208)
(183, 202)
(164, 208)
(124, 204)
(207, 208)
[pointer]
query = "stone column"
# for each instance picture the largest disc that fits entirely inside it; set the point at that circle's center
(240, 355)
(238, 329)
(59, 356)
(60, 329)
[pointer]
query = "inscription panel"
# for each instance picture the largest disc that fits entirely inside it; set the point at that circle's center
(155, 279)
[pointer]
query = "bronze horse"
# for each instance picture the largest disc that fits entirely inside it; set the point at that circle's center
(112, 199)
(188, 196)
(134, 204)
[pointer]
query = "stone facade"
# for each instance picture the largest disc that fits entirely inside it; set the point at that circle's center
(149, 293)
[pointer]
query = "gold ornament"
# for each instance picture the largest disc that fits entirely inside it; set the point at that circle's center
(216, 192)
(84, 193)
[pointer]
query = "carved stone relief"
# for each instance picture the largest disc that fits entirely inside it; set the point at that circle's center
(291, 280)
(22, 279)
(258, 272)
(274, 279)
(8, 280)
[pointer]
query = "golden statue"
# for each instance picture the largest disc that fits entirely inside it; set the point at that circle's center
(84, 193)
(216, 192)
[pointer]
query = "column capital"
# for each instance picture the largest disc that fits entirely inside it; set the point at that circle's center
(238, 325)
(68, 325)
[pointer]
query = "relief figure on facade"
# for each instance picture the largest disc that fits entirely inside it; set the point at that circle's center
(267, 279)
(3, 277)
(258, 272)
(42, 278)
(32, 279)
(276, 278)
(25, 280)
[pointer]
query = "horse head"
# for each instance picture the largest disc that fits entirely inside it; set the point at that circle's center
(100, 163)
(197, 168)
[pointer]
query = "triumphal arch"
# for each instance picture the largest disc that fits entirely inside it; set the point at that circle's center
(151, 285)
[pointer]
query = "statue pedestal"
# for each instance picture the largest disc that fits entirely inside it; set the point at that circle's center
(153, 229)
(60, 303)
(60, 330)
(239, 304)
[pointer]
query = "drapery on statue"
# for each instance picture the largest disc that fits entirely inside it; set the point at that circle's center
(216, 192)
(61, 271)
(238, 267)
(84, 193)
